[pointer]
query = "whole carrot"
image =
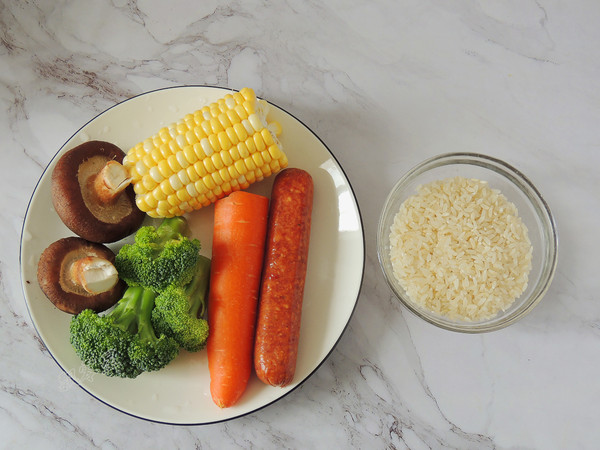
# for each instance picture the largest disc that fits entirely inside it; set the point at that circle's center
(239, 234)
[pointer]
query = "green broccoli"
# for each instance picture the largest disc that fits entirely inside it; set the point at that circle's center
(160, 256)
(179, 310)
(122, 343)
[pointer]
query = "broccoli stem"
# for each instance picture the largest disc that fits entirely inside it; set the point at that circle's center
(145, 328)
(125, 313)
(196, 289)
(172, 228)
(133, 313)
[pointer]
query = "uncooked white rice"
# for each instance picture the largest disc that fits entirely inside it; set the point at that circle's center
(459, 249)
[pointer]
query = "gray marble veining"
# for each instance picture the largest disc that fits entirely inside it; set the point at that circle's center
(385, 84)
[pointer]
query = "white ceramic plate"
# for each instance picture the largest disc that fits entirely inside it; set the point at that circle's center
(179, 394)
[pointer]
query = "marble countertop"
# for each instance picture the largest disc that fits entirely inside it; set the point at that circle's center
(385, 84)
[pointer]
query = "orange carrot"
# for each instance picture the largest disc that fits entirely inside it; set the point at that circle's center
(240, 228)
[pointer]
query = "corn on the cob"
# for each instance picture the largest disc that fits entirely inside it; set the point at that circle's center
(221, 148)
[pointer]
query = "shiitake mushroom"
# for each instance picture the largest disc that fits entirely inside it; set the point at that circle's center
(76, 274)
(92, 194)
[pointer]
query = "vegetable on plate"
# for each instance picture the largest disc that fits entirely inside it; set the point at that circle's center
(221, 148)
(240, 225)
(91, 193)
(76, 274)
(122, 343)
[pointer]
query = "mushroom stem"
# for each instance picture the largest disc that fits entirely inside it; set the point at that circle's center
(111, 181)
(95, 275)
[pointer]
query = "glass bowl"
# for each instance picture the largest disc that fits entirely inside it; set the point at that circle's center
(532, 209)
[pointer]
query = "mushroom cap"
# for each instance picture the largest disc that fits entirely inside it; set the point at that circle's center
(77, 205)
(55, 281)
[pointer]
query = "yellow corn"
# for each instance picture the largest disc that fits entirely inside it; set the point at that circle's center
(221, 148)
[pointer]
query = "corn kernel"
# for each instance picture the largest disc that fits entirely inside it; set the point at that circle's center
(190, 154)
(232, 136)
(164, 169)
(260, 143)
(200, 187)
(224, 121)
(241, 112)
(199, 132)
(206, 147)
(216, 126)
(206, 128)
(183, 177)
(255, 121)
(192, 174)
(257, 159)
(248, 127)
(233, 116)
(181, 159)
(209, 182)
(200, 168)
(217, 178)
(214, 142)
(233, 172)
(183, 195)
(150, 201)
(224, 174)
(240, 166)
(148, 182)
(173, 200)
(224, 142)
(139, 152)
(234, 153)
(176, 183)
(226, 188)
(243, 149)
(217, 161)
(208, 165)
(239, 98)
(163, 207)
(267, 137)
(141, 203)
(166, 187)
(266, 156)
(274, 151)
(250, 163)
(226, 158)
(141, 168)
(191, 138)
(191, 189)
(251, 144)
(173, 163)
(181, 128)
(165, 150)
(159, 194)
(139, 188)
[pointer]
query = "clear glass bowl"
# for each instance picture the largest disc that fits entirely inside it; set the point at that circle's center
(532, 209)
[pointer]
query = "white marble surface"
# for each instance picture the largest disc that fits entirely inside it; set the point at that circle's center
(385, 84)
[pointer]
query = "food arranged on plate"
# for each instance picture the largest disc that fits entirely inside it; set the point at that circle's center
(459, 249)
(221, 148)
(165, 296)
(284, 273)
(76, 274)
(91, 193)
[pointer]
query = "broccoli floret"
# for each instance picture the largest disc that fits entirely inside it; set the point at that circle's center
(160, 256)
(179, 310)
(122, 343)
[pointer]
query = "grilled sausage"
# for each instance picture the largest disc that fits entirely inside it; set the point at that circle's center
(284, 273)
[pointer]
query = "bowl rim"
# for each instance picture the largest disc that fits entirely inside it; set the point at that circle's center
(539, 204)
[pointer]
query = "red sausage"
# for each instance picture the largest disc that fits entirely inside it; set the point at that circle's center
(284, 273)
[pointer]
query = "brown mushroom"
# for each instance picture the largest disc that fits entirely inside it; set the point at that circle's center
(92, 194)
(76, 274)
